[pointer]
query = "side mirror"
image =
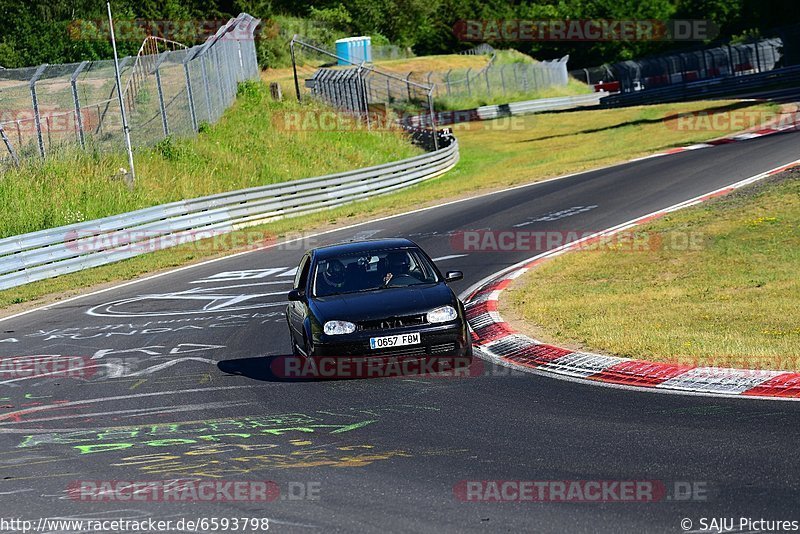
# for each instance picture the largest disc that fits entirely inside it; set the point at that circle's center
(453, 276)
(297, 295)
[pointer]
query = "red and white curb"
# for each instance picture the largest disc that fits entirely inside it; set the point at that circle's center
(744, 136)
(498, 342)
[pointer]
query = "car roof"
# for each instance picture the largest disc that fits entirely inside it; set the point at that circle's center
(355, 247)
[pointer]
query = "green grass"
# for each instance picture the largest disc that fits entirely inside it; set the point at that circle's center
(494, 154)
(730, 300)
(247, 148)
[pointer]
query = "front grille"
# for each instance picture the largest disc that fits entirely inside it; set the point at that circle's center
(443, 348)
(393, 322)
(403, 351)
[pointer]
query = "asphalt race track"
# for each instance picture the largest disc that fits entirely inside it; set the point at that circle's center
(183, 389)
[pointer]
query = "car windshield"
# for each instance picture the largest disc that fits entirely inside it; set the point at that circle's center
(372, 270)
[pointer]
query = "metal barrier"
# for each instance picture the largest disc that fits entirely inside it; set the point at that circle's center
(485, 113)
(717, 87)
(48, 253)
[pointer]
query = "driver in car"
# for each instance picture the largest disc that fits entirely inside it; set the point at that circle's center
(399, 265)
(333, 274)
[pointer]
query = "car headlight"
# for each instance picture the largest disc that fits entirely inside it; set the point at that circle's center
(333, 328)
(442, 315)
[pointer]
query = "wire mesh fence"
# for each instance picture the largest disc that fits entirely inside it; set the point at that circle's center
(168, 90)
(494, 79)
(359, 87)
(693, 65)
(377, 98)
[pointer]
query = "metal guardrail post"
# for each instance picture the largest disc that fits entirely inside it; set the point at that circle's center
(73, 80)
(35, 100)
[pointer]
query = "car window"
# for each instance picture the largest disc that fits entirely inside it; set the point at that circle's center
(371, 271)
(301, 277)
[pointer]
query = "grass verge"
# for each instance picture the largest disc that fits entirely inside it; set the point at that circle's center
(494, 155)
(246, 148)
(720, 289)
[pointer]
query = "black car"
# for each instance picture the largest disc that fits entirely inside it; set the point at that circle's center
(375, 298)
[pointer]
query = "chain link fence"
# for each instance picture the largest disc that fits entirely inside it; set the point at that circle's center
(494, 79)
(362, 86)
(703, 64)
(168, 90)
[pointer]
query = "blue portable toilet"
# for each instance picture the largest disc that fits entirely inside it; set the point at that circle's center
(354, 50)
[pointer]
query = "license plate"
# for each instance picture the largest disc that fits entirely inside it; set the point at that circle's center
(394, 341)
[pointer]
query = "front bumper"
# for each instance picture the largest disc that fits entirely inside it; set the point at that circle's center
(450, 339)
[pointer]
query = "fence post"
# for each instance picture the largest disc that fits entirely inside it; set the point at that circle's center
(758, 57)
(160, 91)
(363, 89)
(241, 76)
(204, 73)
(408, 86)
(10, 148)
(233, 70)
(488, 86)
(189, 93)
(503, 78)
(732, 69)
(77, 101)
(469, 89)
(447, 81)
(433, 120)
(35, 100)
(218, 68)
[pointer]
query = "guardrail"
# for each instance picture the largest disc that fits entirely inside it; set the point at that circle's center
(715, 87)
(48, 253)
(485, 113)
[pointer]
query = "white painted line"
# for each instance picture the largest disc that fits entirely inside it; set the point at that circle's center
(450, 257)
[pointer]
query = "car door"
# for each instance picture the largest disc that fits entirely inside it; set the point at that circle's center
(297, 310)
